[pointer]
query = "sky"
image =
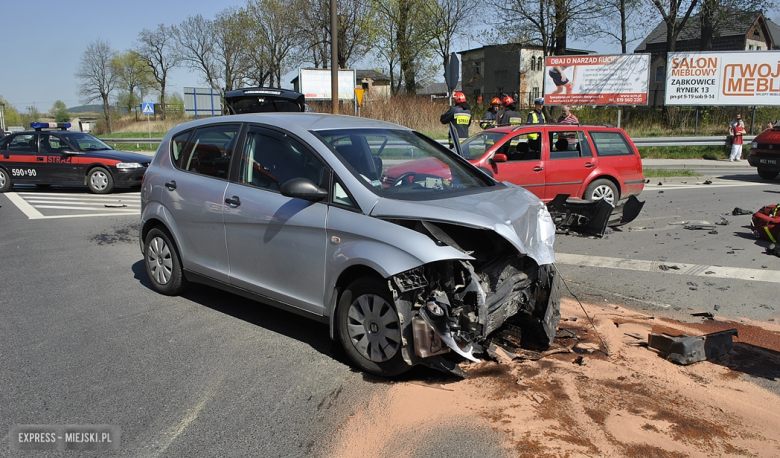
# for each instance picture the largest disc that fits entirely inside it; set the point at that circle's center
(43, 42)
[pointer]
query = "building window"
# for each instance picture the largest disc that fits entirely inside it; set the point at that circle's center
(478, 68)
(540, 63)
(535, 92)
(660, 74)
(533, 63)
(750, 47)
(758, 48)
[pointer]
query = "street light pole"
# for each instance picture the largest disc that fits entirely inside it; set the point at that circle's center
(334, 58)
(2, 117)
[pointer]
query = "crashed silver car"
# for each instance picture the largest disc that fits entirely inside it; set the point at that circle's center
(294, 210)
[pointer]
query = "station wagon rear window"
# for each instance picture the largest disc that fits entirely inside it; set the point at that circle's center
(610, 144)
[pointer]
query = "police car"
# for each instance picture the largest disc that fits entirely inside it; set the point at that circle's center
(51, 154)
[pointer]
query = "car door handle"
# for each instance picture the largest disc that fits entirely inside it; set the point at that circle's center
(171, 185)
(589, 165)
(233, 201)
(537, 169)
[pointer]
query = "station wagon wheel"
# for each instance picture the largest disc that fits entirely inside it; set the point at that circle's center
(602, 189)
(369, 327)
(766, 174)
(5, 181)
(100, 181)
(163, 264)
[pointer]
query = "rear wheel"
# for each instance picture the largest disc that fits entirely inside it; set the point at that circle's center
(163, 264)
(100, 181)
(5, 181)
(766, 174)
(602, 189)
(370, 328)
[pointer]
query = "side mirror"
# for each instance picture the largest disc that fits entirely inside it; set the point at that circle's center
(499, 157)
(303, 188)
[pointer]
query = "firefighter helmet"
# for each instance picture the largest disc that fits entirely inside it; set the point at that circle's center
(507, 100)
(459, 97)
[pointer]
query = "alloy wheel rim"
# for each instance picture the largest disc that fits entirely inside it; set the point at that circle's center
(159, 261)
(604, 192)
(374, 328)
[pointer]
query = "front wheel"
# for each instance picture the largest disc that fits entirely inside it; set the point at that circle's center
(370, 329)
(5, 181)
(100, 181)
(163, 264)
(766, 174)
(602, 189)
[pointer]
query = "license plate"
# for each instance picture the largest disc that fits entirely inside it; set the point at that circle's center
(768, 161)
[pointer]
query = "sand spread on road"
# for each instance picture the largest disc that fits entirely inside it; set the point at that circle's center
(585, 403)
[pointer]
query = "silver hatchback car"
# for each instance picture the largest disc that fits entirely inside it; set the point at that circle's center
(294, 210)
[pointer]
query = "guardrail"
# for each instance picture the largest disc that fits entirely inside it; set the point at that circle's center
(652, 141)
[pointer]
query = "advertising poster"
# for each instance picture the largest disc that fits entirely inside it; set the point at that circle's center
(315, 84)
(620, 79)
(723, 78)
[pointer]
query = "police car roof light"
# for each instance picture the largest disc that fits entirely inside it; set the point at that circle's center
(50, 125)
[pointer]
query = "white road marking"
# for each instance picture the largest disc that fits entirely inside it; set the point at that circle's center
(715, 184)
(26, 208)
(29, 202)
(698, 270)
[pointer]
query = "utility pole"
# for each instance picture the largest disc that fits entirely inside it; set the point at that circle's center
(334, 58)
(2, 117)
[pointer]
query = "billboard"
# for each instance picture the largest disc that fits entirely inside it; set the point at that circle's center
(315, 84)
(620, 79)
(202, 101)
(723, 78)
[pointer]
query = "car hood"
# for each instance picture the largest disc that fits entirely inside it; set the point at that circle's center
(124, 156)
(511, 211)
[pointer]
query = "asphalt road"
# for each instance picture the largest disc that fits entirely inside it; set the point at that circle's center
(84, 340)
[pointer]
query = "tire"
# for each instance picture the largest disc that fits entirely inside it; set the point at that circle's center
(766, 174)
(163, 263)
(370, 329)
(100, 181)
(602, 189)
(5, 181)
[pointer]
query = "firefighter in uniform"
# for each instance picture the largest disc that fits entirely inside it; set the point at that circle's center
(489, 120)
(536, 117)
(509, 116)
(460, 116)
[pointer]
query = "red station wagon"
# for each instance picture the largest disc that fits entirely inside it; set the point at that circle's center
(588, 162)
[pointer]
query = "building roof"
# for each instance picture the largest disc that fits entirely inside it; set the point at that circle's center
(371, 74)
(436, 89)
(737, 25)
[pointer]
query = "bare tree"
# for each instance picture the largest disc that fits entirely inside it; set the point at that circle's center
(195, 48)
(356, 21)
(447, 19)
(411, 38)
(133, 75)
(97, 77)
(623, 21)
(156, 48)
(275, 39)
(671, 17)
(716, 13)
(544, 22)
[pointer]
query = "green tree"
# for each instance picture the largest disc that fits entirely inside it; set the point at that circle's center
(11, 116)
(156, 48)
(98, 80)
(59, 112)
(133, 77)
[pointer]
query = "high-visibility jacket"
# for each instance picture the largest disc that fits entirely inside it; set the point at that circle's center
(535, 117)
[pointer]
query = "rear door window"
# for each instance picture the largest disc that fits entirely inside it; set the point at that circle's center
(611, 144)
(567, 145)
(207, 151)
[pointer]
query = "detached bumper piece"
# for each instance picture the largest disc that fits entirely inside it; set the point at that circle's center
(592, 217)
(692, 349)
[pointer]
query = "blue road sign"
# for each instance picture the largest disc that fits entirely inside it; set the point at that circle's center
(147, 108)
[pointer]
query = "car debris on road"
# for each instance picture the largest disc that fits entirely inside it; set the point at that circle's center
(687, 350)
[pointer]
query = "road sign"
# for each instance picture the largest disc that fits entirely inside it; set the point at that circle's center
(147, 108)
(359, 96)
(452, 72)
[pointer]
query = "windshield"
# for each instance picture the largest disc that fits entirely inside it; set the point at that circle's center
(402, 164)
(86, 142)
(476, 146)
